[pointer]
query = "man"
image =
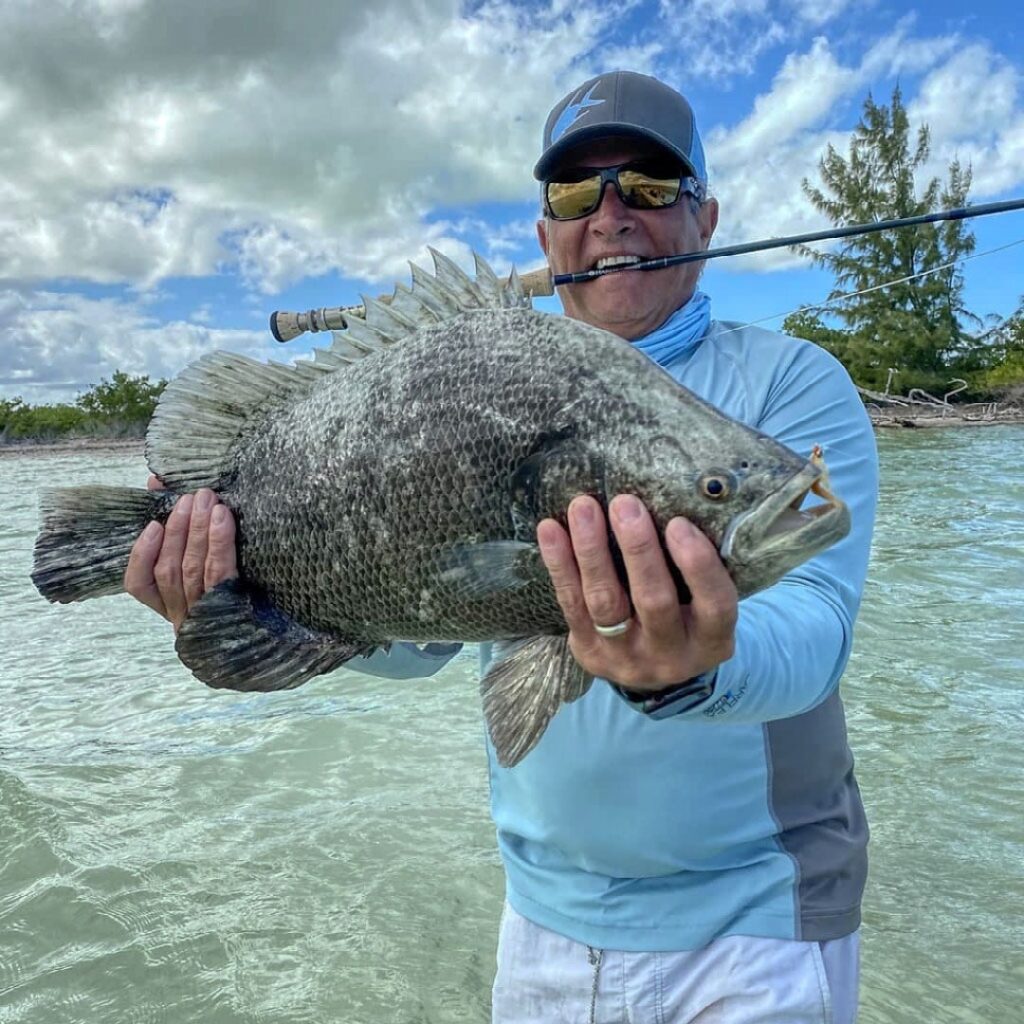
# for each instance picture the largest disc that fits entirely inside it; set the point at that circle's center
(687, 843)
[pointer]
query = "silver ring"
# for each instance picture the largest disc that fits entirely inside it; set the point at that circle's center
(617, 630)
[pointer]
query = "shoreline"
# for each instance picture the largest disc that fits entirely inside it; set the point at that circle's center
(890, 420)
(904, 421)
(73, 446)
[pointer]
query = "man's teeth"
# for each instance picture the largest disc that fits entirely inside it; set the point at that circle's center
(615, 261)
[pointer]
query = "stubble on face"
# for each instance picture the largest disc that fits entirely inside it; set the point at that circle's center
(628, 303)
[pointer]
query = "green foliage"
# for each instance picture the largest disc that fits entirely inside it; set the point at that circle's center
(19, 421)
(119, 407)
(1000, 366)
(10, 410)
(125, 398)
(915, 323)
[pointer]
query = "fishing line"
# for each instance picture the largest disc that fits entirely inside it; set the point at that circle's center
(873, 288)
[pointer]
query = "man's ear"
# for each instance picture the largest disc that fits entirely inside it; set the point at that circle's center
(708, 217)
(542, 235)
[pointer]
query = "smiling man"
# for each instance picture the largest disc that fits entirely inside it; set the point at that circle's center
(687, 843)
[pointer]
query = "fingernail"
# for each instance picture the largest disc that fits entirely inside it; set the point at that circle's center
(204, 499)
(152, 531)
(627, 508)
(183, 506)
(582, 512)
(680, 530)
(219, 516)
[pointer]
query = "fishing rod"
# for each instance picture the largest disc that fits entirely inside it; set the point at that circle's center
(285, 326)
(961, 213)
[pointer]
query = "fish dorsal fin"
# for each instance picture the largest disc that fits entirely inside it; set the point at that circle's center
(204, 411)
(432, 298)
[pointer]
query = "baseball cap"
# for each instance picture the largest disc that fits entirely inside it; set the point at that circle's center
(628, 104)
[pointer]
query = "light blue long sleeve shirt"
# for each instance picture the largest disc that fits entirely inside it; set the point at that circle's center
(741, 815)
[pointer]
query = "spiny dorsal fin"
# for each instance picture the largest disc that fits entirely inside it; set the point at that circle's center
(435, 297)
(205, 410)
(449, 273)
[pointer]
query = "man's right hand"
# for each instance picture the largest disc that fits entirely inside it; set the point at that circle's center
(172, 566)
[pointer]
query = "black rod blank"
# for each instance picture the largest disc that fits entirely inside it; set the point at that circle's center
(961, 213)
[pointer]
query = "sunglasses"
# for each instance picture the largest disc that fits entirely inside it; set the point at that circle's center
(641, 185)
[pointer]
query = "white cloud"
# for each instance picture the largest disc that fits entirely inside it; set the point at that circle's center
(723, 39)
(757, 165)
(816, 13)
(52, 342)
(972, 105)
(141, 135)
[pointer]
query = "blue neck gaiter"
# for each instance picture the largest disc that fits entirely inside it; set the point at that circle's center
(680, 333)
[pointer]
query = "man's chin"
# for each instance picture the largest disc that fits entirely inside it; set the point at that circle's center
(621, 311)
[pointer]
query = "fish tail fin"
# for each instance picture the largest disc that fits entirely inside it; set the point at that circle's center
(86, 537)
(234, 639)
(522, 690)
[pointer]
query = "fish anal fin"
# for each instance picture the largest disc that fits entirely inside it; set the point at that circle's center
(234, 639)
(523, 689)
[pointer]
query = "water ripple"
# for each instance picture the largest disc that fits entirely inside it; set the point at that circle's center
(172, 854)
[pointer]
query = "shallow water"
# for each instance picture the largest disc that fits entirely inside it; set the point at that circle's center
(171, 853)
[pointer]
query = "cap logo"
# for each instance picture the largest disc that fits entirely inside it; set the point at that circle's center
(573, 112)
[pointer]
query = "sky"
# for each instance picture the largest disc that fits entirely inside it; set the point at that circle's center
(172, 173)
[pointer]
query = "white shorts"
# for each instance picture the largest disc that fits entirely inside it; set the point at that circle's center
(545, 978)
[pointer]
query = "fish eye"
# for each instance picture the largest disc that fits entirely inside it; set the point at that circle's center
(716, 485)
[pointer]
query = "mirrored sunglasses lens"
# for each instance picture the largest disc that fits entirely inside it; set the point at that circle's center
(568, 199)
(645, 192)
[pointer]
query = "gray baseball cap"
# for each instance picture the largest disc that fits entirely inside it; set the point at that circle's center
(627, 104)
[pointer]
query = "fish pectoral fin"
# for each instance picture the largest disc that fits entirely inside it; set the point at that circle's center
(479, 571)
(235, 639)
(522, 690)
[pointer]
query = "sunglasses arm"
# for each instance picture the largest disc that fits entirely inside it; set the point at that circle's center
(285, 326)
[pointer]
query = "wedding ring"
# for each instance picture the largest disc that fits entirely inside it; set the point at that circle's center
(617, 630)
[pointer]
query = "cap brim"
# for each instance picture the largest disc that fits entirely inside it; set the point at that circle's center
(555, 154)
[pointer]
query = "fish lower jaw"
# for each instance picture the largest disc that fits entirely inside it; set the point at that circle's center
(814, 527)
(794, 537)
(777, 535)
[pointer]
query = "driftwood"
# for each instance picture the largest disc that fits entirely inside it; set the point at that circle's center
(918, 408)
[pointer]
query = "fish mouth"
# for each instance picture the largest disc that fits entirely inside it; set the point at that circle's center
(778, 530)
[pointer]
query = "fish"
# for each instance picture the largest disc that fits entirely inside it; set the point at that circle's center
(389, 489)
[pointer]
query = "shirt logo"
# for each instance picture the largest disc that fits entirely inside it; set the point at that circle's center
(572, 113)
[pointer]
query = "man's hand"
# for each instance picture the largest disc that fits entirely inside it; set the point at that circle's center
(172, 566)
(666, 642)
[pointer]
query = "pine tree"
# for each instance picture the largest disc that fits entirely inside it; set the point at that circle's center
(916, 323)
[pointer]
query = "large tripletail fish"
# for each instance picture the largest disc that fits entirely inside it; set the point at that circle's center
(390, 489)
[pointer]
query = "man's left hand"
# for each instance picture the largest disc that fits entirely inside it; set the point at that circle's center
(666, 642)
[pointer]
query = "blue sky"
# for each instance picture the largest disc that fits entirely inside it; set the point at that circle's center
(172, 173)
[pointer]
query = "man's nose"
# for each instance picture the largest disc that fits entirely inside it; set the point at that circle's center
(612, 216)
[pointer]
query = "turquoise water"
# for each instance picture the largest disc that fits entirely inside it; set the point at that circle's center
(170, 853)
